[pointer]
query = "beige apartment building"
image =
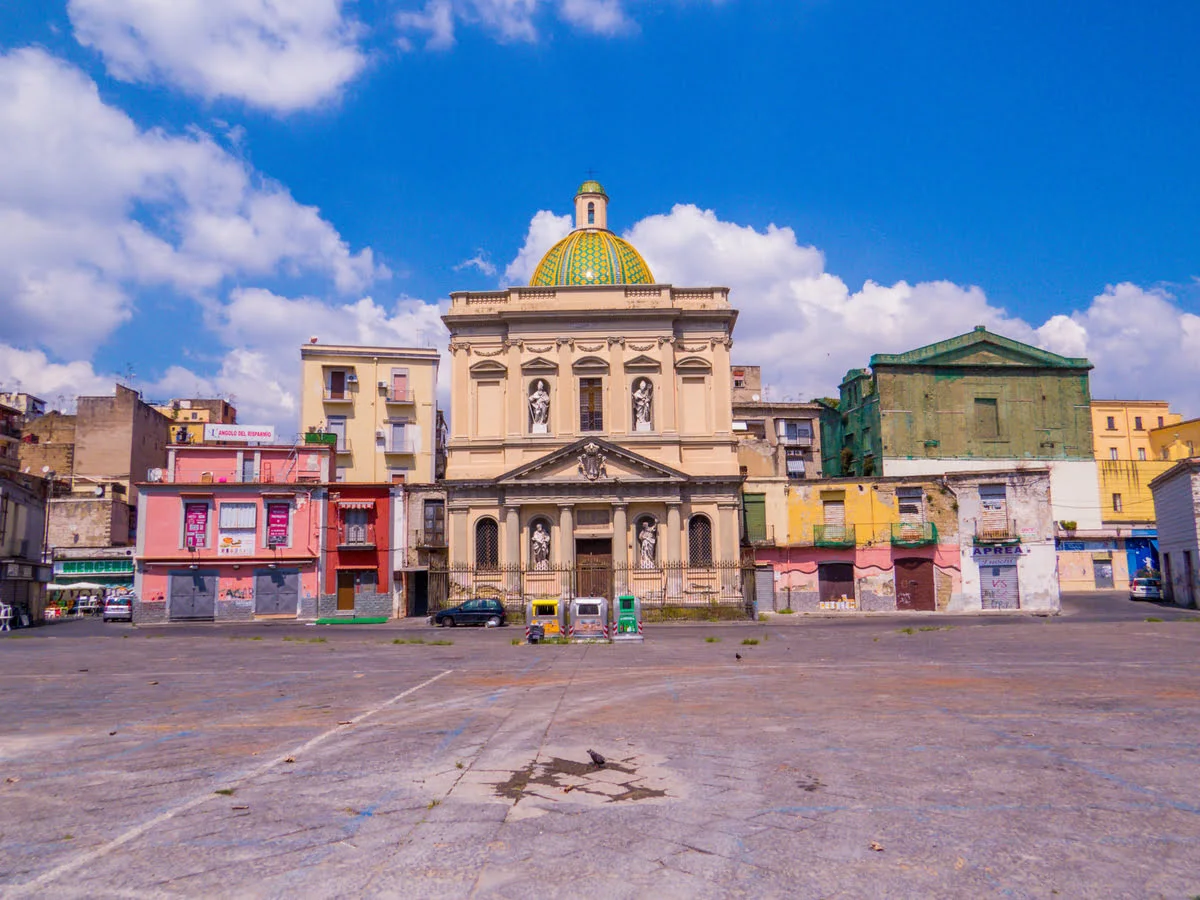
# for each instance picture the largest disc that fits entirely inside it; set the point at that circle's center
(380, 402)
(592, 423)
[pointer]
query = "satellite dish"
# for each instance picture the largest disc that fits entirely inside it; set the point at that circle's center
(45, 469)
(99, 490)
(755, 398)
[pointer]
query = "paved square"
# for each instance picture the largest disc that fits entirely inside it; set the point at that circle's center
(892, 756)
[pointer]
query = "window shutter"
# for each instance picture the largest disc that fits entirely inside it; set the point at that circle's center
(754, 507)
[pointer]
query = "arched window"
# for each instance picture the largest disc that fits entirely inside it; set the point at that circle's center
(699, 541)
(487, 544)
(591, 213)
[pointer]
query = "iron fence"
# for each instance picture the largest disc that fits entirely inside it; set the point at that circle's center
(723, 590)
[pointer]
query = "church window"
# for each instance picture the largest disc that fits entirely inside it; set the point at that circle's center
(987, 417)
(591, 213)
(699, 541)
(591, 404)
(487, 544)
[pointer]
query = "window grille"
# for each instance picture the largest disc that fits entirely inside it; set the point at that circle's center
(591, 404)
(487, 544)
(356, 525)
(238, 515)
(699, 541)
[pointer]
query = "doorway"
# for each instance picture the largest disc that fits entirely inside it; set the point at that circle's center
(277, 592)
(914, 585)
(418, 593)
(193, 595)
(345, 591)
(836, 581)
(1102, 569)
(594, 567)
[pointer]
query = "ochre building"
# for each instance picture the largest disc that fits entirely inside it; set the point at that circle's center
(592, 419)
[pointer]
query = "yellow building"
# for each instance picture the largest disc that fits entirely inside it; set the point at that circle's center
(381, 404)
(1176, 440)
(1121, 428)
(188, 418)
(592, 421)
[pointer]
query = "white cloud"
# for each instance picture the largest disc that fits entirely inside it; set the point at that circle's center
(479, 261)
(94, 209)
(280, 56)
(56, 383)
(806, 327)
(545, 229)
(512, 20)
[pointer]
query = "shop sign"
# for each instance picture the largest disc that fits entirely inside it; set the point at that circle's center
(995, 552)
(277, 524)
(263, 434)
(195, 525)
(1072, 546)
(239, 542)
(18, 572)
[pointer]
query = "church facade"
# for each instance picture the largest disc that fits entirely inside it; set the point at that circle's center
(592, 428)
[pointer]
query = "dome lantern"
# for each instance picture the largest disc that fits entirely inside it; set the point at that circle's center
(591, 206)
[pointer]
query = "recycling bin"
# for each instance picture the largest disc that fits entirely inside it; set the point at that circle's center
(542, 620)
(588, 619)
(627, 622)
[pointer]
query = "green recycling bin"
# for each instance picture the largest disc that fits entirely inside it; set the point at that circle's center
(628, 619)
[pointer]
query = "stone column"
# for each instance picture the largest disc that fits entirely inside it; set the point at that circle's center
(667, 388)
(566, 534)
(674, 534)
(512, 534)
(459, 550)
(728, 533)
(621, 546)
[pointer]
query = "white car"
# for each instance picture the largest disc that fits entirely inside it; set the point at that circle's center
(118, 609)
(1145, 589)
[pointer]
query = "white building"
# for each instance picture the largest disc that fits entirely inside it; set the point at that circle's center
(1177, 508)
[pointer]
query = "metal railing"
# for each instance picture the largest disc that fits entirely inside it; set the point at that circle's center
(913, 534)
(833, 535)
(394, 396)
(407, 447)
(723, 590)
(345, 396)
(997, 532)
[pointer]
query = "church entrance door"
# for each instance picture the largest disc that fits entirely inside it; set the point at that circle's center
(594, 568)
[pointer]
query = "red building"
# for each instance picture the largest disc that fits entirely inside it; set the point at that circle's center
(357, 551)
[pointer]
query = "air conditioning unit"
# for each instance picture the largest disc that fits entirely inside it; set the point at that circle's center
(351, 378)
(383, 385)
(381, 434)
(154, 475)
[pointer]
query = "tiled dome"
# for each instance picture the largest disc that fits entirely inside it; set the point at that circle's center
(591, 256)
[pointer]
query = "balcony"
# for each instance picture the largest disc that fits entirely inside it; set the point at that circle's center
(799, 440)
(761, 537)
(343, 447)
(400, 398)
(346, 396)
(988, 533)
(833, 535)
(400, 448)
(914, 534)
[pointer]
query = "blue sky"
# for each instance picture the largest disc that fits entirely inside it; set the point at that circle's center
(196, 186)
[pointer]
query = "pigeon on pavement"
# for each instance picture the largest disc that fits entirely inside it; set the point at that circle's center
(737, 656)
(597, 758)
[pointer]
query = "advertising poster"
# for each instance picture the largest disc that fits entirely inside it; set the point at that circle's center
(277, 524)
(236, 542)
(195, 528)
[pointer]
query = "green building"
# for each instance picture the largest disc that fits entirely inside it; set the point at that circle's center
(976, 397)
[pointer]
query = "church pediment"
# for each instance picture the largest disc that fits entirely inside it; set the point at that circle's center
(980, 348)
(592, 460)
(539, 366)
(642, 363)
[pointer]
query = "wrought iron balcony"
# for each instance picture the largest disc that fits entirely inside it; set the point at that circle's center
(997, 533)
(914, 534)
(833, 535)
(400, 397)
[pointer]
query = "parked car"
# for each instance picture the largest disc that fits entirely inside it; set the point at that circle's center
(118, 609)
(473, 612)
(1145, 589)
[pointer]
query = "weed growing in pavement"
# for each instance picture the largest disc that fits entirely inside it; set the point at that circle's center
(433, 803)
(458, 765)
(409, 641)
(1153, 619)
(786, 611)
(439, 643)
(68, 836)
(516, 642)
(225, 792)
(875, 639)
(750, 642)
(906, 631)
(935, 628)
(712, 640)
(762, 617)
(300, 640)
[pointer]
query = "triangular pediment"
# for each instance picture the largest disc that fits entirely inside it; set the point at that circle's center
(642, 363)
(539, 366)
(577, 463)
(979, 348)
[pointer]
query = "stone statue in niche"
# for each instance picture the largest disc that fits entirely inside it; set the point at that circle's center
(539, 408)
(643, 403)
(647, 541)
(539, 547)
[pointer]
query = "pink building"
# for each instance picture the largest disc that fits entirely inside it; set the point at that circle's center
(231, 533)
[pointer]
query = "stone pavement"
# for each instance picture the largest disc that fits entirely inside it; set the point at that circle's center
(891, 758)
